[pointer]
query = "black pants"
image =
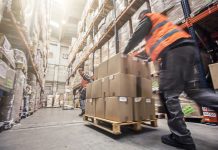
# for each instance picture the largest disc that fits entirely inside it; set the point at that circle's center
(178, 73)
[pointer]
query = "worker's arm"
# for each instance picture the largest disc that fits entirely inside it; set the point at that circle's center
(142, 30)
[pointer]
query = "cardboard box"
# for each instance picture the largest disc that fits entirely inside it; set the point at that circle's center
(144, 87)
(214, 75)
(95, 73)
(118, 64)
(139, 109)
(100, 108)
(139, 68)
(105, 87)
(90, 107)
(103, 70)
(96, 89)
(149, 108)
(122, 85)
(119, 109)
(89, 91)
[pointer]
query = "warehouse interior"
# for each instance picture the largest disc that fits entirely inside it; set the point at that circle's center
(66, 82)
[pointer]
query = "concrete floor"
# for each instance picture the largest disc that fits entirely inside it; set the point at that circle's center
(55, 129)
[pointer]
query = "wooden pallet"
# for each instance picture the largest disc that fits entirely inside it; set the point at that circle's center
(111, 126)
(115, 127)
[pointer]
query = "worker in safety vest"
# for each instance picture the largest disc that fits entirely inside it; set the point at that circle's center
(176, 51)
(85, 80)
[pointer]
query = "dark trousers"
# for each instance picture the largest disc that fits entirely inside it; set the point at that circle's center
(178, 73)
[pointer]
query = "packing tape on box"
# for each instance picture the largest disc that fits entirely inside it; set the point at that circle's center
(111, 77)
(148, 100)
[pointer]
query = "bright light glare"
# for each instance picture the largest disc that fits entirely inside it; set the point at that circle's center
(54, 24)
(63, 21)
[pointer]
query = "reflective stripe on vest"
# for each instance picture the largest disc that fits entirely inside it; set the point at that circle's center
(162, 39)
(163, 34)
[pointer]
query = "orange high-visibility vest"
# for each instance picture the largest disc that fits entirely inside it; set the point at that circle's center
(84, 83)
(163, 33)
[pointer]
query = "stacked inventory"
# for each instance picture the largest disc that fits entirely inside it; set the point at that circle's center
(122, 91)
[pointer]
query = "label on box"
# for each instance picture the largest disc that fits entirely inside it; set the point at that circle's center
(111, 77)
(137, 99)
(123, 99)
(148, 100)
(209, 114)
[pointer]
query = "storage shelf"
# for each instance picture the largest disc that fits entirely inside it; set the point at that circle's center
(16, 34)
(102, 13)
(119, 22)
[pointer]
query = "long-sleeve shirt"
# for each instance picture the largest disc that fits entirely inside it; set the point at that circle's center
(142, 30)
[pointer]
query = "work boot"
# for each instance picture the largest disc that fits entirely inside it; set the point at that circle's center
(170, 140)
(82, 113)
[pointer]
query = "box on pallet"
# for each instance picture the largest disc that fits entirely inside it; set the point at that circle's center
(119, 109)
(96, 89)
(100, 108)
(198, 4)
(97, 57)
(214, 74)
(103, 70)
(105, 87)
(90, 107)
(144, 87)
(89, 91)
(122, 85)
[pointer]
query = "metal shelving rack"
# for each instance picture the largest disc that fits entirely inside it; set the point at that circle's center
(115, 25)
(16, 33)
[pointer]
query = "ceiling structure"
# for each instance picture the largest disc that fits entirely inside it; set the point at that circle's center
(65, 15)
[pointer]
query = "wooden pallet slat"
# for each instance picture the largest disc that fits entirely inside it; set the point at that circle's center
(115, 127)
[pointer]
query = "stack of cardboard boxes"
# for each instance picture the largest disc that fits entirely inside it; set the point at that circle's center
(122, 91)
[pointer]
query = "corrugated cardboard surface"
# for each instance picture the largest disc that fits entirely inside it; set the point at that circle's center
(100, 108)
(214, 74)
(139, 109)
(105, 87)
(89, 91)
(103, 70)
(96, 89)
(118, 64)
(90, 107)
(149, 108)
(144, 87)
(119, 109)
(122, 85)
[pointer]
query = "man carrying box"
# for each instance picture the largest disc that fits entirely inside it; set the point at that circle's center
(178, 72)
(85, 80)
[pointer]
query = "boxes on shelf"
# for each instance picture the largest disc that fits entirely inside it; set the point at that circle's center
(122, 85)
(119, 109)
(214, 74)
(198, 4)
(175, 14)
(100, 108)
(109, 19)
(135, 20)
(3, 72)
(20, 59)
(4, 43)
(124, 35)
(97, 57)
(112, 47)
(90, 107)
(162, 5)
(120, 6)
(105, 52)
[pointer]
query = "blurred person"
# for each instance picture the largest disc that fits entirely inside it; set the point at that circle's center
(175, 51)
(82, 90)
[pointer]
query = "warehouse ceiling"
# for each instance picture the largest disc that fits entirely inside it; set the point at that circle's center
(65, 15)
